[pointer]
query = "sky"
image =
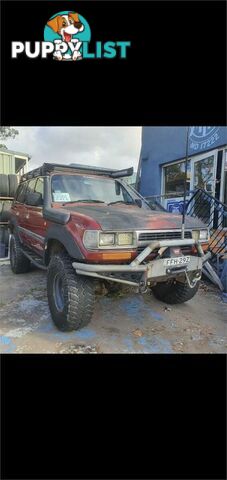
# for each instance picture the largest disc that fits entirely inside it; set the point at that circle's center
(112, 147)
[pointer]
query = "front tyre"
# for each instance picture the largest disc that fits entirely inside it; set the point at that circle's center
(174, 292)
(71, 297)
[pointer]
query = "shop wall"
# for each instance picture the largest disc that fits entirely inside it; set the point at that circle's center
(165, 144)
(7, 163)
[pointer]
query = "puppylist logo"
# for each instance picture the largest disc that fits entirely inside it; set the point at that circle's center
(66, 38)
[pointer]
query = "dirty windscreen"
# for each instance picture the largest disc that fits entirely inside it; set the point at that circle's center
(75, 188)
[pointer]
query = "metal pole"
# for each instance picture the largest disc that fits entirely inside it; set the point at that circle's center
(185, 184)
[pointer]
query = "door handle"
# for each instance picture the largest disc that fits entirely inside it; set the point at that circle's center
(17, 213)
(27, 216)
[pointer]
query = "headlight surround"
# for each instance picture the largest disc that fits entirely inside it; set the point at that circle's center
(94, 239)
(200, 235)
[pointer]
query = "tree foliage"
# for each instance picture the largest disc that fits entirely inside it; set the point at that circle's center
(8, 132)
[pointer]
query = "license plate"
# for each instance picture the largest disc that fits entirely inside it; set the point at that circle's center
(171, 262)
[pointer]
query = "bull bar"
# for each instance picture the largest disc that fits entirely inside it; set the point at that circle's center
(152, 270)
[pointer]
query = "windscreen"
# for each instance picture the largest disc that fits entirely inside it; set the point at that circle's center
(75, 188)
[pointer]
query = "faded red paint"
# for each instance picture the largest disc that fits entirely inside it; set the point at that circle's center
(31, 218)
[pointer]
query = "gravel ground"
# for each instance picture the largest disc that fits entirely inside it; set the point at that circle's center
(127, 322)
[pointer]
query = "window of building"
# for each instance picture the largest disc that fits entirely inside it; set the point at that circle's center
(204, 174)
(19, 164)
(174, 176)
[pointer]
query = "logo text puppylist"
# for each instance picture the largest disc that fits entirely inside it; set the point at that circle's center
(66, 37)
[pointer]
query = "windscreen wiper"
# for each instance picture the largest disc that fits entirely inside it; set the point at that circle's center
(121, 201)
(89, 200)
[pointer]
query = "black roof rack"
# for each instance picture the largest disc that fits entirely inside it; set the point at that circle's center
(47, 168)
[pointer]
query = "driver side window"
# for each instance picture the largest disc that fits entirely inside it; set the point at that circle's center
(39, 188)
(34, 194)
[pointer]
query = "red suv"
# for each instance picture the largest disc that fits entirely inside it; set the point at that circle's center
(85, 225)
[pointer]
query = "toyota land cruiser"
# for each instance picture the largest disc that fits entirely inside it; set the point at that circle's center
(86, 225)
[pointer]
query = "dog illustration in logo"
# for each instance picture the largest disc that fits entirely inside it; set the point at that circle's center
(66, 26)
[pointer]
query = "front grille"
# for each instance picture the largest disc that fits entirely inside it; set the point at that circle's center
(150, 236)
(185, 250)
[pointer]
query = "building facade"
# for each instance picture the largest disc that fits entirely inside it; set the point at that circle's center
(13, 162)
(162, 163)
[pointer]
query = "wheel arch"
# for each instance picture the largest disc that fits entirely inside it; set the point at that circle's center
(59, 239)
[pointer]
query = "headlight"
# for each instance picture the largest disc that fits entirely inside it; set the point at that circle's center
(125, 238)
(200, 235)
(106, 239)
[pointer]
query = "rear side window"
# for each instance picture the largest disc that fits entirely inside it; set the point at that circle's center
(21, 192)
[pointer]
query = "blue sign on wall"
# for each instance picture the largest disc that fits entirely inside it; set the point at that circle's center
(204, 138)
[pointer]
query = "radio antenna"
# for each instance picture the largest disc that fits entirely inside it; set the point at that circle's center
(185, 184)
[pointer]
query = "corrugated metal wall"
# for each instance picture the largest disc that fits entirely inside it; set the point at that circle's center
(7, 163)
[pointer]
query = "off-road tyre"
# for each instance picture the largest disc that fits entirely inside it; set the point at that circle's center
(18, 261)
(4, 185)
(13, 184)
(174, 293)
(71, 297)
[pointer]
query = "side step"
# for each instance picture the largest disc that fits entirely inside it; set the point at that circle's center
(35, 259)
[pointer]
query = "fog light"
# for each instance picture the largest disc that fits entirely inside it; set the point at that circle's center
(195, 235)
(125, 238)
(106, 239)
(201, 235)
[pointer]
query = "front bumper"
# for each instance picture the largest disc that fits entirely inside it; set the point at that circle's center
(152, 271)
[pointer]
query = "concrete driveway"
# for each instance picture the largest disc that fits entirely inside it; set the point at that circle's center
(126, 323)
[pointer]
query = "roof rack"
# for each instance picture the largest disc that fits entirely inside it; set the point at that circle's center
(47, 168)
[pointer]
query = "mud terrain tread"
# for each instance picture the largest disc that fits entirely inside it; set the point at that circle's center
(22, 263)
(174, 293)
(80, 297)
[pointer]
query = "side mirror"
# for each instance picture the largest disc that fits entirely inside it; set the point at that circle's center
(34, 199)
(139, 202)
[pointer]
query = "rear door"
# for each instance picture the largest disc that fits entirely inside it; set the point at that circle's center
(35, 224)
(18, 209)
